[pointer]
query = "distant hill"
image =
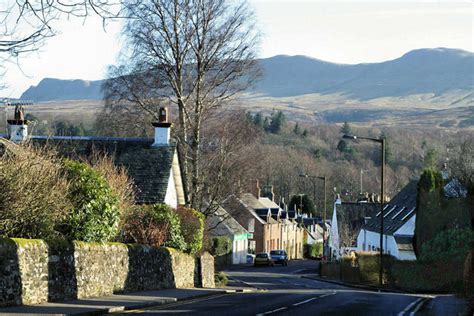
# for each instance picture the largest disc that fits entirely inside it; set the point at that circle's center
(417, 72)
(59, 90)
(421, 71)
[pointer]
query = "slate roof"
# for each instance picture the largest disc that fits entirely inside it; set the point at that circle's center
(396, 212)
(149, 167)
(221, 223)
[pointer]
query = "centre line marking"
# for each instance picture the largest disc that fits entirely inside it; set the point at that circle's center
(409, 306)
(306, 301)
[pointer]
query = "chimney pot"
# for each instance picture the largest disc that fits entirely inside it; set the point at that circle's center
(162, 128)
(18, 127)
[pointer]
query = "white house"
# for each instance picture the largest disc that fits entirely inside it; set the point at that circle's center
(219, 223)
(399, 226)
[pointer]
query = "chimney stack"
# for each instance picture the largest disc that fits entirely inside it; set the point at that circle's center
(162, 128)
(18, 127)
(257, 189)
(268, 192)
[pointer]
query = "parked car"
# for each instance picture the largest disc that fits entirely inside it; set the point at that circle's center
(250, 258)
(280, 257)
(263, 258)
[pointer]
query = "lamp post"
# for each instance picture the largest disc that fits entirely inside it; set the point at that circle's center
(382, 142)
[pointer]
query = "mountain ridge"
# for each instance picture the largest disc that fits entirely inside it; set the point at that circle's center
(420, 71)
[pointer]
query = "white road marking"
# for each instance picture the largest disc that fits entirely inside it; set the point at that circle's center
(296, 304)
(406, 309)
(306, 301)
(273, 311)
(417, 307)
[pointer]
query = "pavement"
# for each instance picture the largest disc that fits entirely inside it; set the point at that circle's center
(292, 290)
(122, 302)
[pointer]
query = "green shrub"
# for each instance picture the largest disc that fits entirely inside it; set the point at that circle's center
(451, 243)
(220, 246)
(313, 250)
(95, 215)
(33, 191)
(166, 215)
(192, 228)
(430, 180)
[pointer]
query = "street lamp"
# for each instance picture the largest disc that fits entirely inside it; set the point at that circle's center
(382, 142)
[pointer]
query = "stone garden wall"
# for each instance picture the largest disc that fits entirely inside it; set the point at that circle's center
(33, 271)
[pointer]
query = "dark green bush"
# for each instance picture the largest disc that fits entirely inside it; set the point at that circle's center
(165, 214)
(451, 243)
(95, 215)
(313, 250)
(192, 228)
(220, 246)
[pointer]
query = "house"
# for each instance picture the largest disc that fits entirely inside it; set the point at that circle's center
(220, 224)
(271, 227)
(347, 221)
(151, 163)
(399, 226)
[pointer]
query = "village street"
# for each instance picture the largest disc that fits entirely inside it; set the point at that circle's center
(289, 291)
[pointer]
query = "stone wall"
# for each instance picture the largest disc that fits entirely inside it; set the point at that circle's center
(33, 272)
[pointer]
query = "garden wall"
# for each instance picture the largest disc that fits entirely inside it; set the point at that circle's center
(33, 271)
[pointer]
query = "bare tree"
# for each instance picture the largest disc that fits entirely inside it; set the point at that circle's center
(196, 55)
(25, 25)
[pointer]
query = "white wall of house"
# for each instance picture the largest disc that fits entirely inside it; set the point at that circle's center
(239, 251)
(334, 234)
(370, 241)
(408, 229)
(171, 197)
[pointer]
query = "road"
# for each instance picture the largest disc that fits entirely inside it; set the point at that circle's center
(283, 291)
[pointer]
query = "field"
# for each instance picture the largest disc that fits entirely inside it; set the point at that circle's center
(453, 110)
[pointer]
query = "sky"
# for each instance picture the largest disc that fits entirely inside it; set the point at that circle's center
(342, 31)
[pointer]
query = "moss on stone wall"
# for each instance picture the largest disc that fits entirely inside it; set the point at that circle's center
(35, 271)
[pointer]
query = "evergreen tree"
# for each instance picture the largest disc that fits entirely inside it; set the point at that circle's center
(297, 129)
(346, 129)
(308, 204)
(342, 146)
(266, 124)
(305, 133)
(257, 119)
(248, 117)
(278, 121)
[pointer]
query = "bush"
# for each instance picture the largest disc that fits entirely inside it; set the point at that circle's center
(313, 250)
(451, 243)
(192, 228)
(220, 278)
(142, 226)
(33, 192)
(165, 214)
(220, 246)
(118, 180)
(95, 215)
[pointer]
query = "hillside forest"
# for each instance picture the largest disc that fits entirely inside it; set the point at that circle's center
(273, 147)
